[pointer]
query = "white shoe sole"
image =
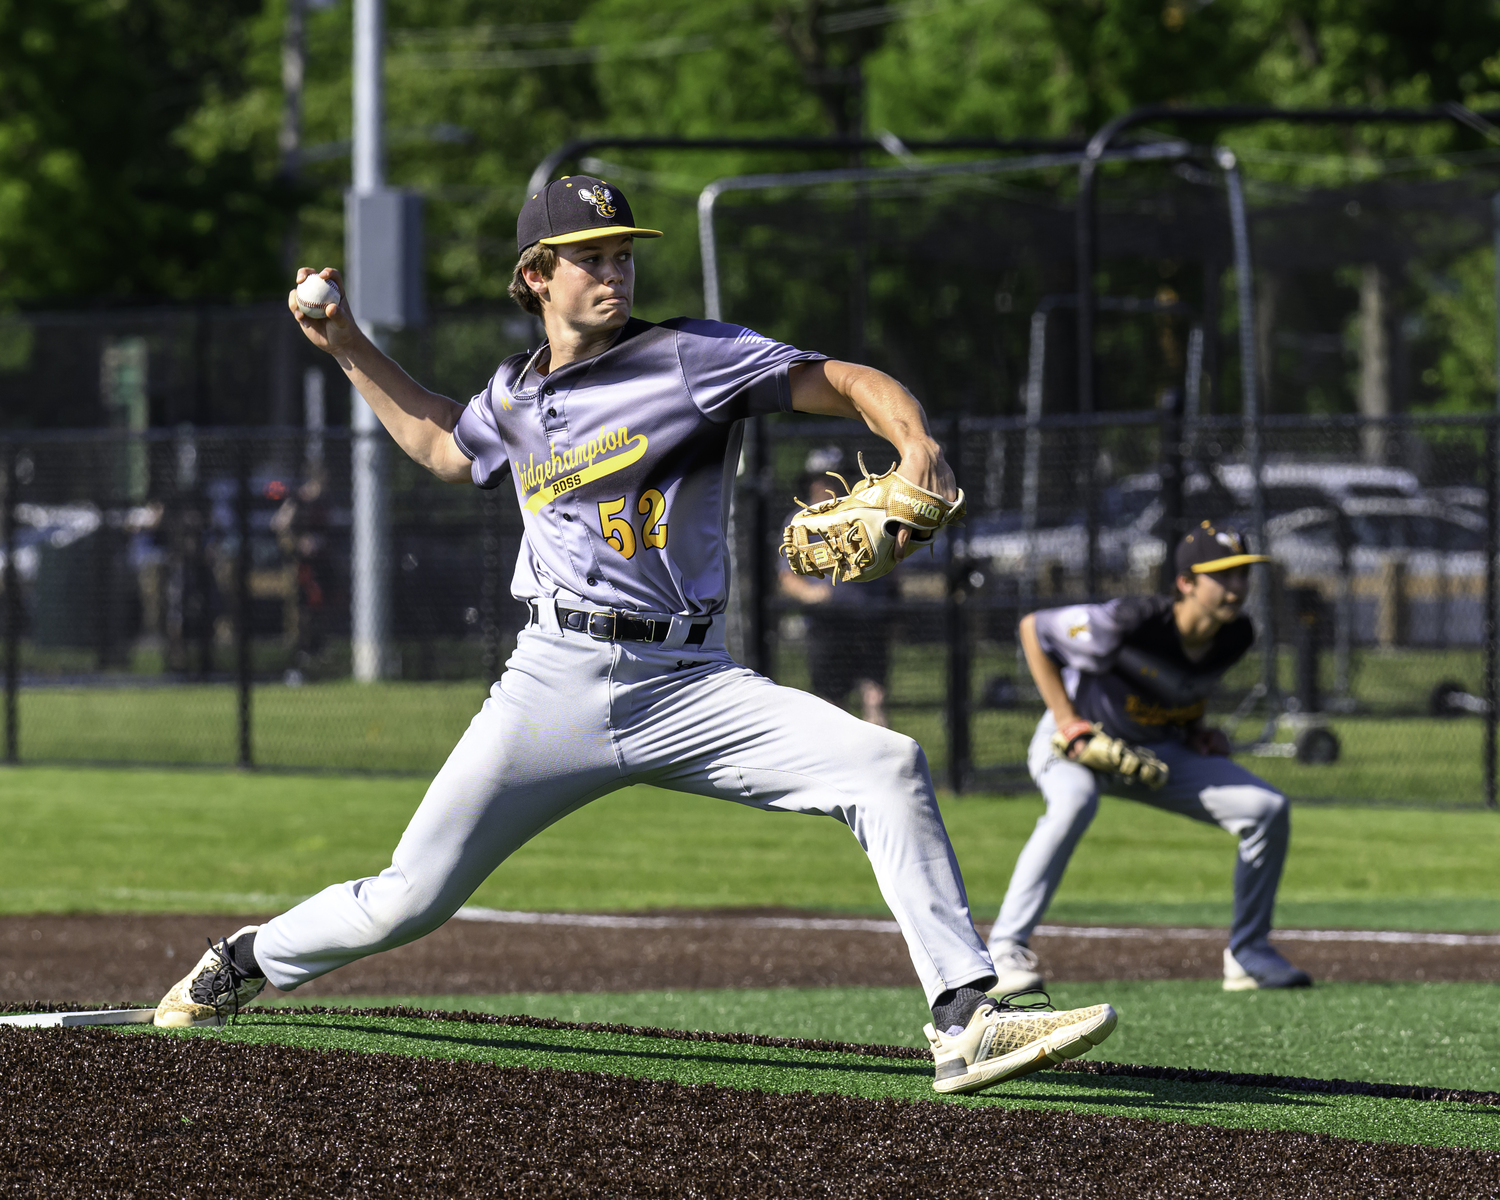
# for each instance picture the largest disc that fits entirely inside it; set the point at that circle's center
(1061, 1044)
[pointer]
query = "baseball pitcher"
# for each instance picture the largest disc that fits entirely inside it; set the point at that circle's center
(1126, 686)
(620, 438)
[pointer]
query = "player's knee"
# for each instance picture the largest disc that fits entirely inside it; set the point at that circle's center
(1075, 807)
(404, 914)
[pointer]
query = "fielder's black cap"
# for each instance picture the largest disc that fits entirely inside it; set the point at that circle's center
(1214, 548)
(574, 209)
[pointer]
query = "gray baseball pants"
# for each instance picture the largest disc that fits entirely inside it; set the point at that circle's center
(1204, 787)
(573, 719)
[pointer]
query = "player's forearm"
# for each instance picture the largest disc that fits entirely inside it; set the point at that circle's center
(886, 407)
(1046, 674)
(840, 389)
(421, 421)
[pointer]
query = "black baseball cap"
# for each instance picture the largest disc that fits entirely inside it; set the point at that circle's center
(1212, 548)
(574, 209)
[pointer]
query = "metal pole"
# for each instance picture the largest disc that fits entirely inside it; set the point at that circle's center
(1250, 411)
(1170, 466)
(1491, 549)
(369, 95)
(490, 585)
(1491, 598)
(370, 569)
(242, 596)
(708, 244)
(1086, 253)
(12, 612)
(1031, 466)
(757, 468)
(960, 739)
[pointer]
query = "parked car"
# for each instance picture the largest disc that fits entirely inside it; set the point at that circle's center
(1415, 567)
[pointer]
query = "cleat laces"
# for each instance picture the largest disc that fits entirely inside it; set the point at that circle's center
(1010, 1001)
(220, 987)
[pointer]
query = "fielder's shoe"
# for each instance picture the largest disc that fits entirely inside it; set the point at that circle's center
(1003, 1042)
(1015, 970)
(1261, 967)
(214, 987)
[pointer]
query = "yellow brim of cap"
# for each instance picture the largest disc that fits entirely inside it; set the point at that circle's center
(1223, 564)
(605, 231)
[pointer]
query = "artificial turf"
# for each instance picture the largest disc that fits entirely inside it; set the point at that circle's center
(100, 840)
(782, 1069)
(411, 726)
(1426, 1035)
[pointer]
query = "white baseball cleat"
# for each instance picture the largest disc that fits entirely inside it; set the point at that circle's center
(1004, 1042)
(212, 988)
(1015, 970)
(1261, 967)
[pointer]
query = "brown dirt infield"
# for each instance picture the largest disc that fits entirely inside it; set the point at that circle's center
(90, 1113)
(123, 958)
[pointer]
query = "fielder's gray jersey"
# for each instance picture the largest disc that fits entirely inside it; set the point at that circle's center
(1124, 666)
(623, 463)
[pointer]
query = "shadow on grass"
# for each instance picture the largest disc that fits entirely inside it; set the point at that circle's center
(519, 1044)
(1155, 1093)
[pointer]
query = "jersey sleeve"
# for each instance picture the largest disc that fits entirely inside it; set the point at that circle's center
(478, 436)
(733, 372)
(1085, 637)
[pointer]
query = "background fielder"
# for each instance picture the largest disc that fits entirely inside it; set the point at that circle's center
(621, 440)
(1140, 669)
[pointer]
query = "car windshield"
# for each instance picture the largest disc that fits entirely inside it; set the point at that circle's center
(1377, 491)
(1281, 498)
(1395, 531)
(1410, 531)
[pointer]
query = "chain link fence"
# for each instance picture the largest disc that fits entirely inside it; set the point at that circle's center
(183, 596)
(1373, 677)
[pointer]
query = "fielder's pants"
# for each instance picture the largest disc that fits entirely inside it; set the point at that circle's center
(1205, 787)
(573, 719)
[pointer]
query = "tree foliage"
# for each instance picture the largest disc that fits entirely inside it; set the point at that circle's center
(100, 196)
(138, 138)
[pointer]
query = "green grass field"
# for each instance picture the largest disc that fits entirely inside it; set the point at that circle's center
(225, 841)
(1426, 1034)
(410, 727)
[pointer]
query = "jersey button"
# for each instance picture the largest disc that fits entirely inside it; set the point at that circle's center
(567, 516)
(592, 581)
(549, 390)
(552, 412)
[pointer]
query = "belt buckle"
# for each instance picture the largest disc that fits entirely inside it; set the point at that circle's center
(614, 625)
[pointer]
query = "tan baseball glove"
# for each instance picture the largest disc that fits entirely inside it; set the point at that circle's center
(1088, 745)
(853, 537)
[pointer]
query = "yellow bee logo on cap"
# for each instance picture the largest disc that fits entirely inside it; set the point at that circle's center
(601, 198)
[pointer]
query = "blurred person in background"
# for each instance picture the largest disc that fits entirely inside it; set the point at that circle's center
(847, 639)
(1140, 669)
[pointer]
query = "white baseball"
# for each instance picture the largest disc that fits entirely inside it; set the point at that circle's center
(315, 294)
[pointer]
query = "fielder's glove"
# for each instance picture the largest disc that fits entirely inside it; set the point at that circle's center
(1088, 745)
(853, 537)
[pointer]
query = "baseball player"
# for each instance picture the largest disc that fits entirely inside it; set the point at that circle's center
(1126, 685)
(621, 439)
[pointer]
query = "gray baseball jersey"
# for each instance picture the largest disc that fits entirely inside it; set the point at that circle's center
(623, 463)
(1124, 666)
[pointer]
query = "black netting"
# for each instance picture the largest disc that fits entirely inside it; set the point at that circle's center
(163, 562)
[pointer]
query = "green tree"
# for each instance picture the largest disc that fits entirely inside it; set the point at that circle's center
(98, 194)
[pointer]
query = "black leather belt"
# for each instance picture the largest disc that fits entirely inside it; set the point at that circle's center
(622, 627)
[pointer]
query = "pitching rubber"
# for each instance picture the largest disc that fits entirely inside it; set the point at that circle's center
(1068, 1042)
